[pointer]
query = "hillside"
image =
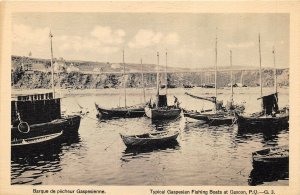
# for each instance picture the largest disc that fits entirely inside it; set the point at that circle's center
(90, 75)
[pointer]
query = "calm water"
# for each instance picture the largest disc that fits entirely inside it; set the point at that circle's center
(202, 155)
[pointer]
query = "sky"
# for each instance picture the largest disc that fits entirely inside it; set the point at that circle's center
(189, 38)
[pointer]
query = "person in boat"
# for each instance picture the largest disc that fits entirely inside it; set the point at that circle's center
(219, 105)
(151, 103)
(176, 102)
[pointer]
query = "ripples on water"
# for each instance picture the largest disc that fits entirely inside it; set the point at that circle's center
(202, 154)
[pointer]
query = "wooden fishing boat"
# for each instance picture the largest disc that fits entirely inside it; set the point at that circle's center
(271, 157)
(38, 118)
(263, 121)
(271, 117)
(122, 112)
(219, 118)
(160, 110)
(149, 139)
(221, 115)
(35, 140)
(126, 111)
(195, 114)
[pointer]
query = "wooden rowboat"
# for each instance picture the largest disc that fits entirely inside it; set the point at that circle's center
(35, 140)
(276, 156)
(149, 139)
(122, 112)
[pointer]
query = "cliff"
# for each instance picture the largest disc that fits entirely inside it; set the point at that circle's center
(30, 73)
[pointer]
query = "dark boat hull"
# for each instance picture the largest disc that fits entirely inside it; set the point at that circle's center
(278, 122)
(73, 123)
(67, 125)
(271, 158)
(134, 141)
(120, 113)
(211, 119)
(195, 115)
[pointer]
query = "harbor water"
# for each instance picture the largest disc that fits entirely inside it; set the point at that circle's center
(202, 155)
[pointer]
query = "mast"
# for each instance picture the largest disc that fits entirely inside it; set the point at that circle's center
(124, 79)
(275, 71)
(216, 64)
(260, 73)
(157, 80)
(231, 77)
(52, 67)
(166, 72)
(242, 78)
(143, 81)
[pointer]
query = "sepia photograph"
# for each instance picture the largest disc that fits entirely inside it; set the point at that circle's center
(102, 98)
(150, 99)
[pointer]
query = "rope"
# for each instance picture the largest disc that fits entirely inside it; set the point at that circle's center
(21, 122)
(111, 144)
(234, 121)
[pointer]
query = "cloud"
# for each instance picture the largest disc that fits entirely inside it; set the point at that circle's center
(241, 45)
(106, 35)
(172, 39)
(24, 35)
(146, 38)
(102, 39)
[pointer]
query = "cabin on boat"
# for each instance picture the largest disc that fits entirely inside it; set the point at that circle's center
(270, 104)
(36, 108)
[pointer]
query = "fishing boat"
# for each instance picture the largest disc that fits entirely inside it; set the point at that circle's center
(149, 139)
(122, 112)
(126, 111)
(221, 115)
(271, 117)
(279, 119)
(160, 109)
(271, 157)
(37, 118)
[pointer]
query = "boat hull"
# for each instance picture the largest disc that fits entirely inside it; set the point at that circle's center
(28, 142)
(271, 158)
(132, 141)
(120, 113)
(42, 131)
(72, 125)
(162, 113)
(271, 123)
(211, 119)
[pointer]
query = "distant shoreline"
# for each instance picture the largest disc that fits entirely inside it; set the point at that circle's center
(150, 91)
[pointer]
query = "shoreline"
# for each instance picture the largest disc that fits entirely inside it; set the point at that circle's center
(137, 91)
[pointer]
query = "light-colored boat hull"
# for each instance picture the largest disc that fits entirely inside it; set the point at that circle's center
(162, 113)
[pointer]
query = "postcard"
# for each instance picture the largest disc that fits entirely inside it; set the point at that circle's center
(150, 98)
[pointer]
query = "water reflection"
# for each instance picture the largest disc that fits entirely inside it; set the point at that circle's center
(269, 130)
(130, 154)
(166, 124)
(269, 137)
(29, 165)
(268, 174)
